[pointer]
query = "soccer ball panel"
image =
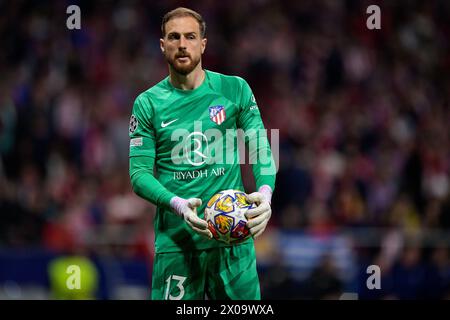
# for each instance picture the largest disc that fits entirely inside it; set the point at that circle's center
(241, 200)
(223, 223)
(213, 230)
(225, 204)
(213, 200)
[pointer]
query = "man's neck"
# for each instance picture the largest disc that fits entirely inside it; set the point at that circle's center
(187, 82)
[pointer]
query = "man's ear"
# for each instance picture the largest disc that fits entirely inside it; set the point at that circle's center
(204, 41)
(161, 45)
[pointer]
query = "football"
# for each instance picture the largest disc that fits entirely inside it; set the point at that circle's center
(225, 215)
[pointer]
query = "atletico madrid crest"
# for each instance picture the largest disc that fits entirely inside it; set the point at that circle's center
(217, 114)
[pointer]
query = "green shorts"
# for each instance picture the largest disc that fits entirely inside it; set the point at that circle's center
(216, 274)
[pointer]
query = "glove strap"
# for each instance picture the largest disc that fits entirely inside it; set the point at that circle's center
(266, 191)
(178, 204)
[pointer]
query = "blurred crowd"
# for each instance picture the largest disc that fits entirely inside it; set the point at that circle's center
(363, 117)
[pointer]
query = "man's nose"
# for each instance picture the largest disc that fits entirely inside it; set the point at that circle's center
(182, 43)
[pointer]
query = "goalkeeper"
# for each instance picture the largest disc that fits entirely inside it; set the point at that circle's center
(171, 165)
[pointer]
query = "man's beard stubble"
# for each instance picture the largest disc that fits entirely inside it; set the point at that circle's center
(183, 69)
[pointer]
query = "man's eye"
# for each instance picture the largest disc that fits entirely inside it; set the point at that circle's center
(191, 37)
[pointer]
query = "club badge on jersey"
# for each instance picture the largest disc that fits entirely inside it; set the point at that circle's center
(217, 114)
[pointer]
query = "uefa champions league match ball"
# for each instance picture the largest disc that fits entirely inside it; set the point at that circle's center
(225, 215)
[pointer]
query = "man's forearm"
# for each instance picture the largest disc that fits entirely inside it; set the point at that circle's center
(145, 184)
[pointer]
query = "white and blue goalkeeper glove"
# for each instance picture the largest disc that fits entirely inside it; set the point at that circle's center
(259, 217)
(187, 208)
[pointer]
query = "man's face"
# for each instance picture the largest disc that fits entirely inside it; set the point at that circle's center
(183, 45)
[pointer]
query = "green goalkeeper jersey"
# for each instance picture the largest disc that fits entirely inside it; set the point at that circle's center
(184, 143)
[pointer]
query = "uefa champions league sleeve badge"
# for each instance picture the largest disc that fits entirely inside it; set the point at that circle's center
(133, 123)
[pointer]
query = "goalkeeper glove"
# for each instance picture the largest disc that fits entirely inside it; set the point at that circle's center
(188, 210)
(259, 217)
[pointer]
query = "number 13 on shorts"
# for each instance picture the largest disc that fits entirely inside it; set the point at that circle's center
(174, 281)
